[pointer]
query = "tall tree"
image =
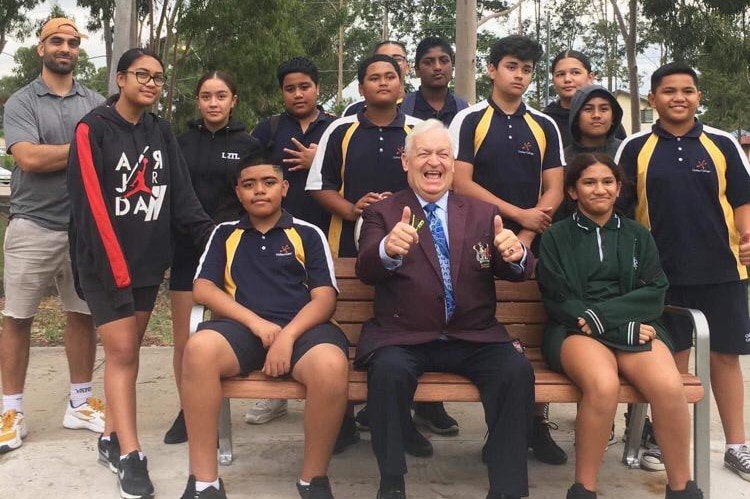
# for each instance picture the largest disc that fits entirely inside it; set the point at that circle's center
(14, 19)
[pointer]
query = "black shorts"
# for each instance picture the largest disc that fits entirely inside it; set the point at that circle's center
(726, 310)
(103, 309)
(184, 263)
(249, 349)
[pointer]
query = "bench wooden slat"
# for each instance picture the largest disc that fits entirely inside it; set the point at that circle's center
(352, 289)
(348, 312)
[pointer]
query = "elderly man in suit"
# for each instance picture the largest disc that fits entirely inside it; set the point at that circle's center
(432, 256)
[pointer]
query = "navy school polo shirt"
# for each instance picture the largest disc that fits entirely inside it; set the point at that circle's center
(685, 190)
(355, 157)
(272, 273)
(297, 201)
(424, 111)
(508, 151)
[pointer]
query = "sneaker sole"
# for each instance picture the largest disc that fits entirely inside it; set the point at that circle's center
(743, 474)
(648, 466)
(10, 446)
(74, 423)
(125, 495)
(265, 418)
(450, 431)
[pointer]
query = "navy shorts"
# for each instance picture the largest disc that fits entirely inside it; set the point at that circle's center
(103, 309)
(726, 310)
(249, 349)
(184, 263)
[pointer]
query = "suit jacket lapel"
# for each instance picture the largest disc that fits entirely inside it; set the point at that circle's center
(456, 230)
(426, 243)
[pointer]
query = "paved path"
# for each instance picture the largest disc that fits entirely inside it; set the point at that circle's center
(60, 464)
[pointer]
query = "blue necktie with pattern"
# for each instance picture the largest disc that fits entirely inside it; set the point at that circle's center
(444, 256)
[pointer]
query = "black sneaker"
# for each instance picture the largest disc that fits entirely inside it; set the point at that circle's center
(363, 422)
(319, 488)
(133, 477)
(392, 487)
(177, 434)
(209, 493)
(189, 488)
(545, 449)
(109, 452)
(577, 491)
(416, 444)
(691, 492)
(348, 435)
(433, 416)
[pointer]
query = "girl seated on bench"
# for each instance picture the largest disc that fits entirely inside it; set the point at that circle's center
(603, 288)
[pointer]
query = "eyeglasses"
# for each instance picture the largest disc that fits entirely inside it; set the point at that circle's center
(143, 77)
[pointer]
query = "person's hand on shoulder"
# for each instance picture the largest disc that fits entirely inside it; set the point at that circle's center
(400, 239)
(745, 248)
(506, 242)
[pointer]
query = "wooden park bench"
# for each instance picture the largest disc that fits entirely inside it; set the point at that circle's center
(520, 308)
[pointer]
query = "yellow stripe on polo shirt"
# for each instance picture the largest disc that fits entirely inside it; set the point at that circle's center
(733, 235)
(483, 128)
(233, 241)
(296, 240)
(336, 225)
(538, 132)
(644, 158)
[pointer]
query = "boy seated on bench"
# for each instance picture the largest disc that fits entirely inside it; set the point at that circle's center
(268, 280)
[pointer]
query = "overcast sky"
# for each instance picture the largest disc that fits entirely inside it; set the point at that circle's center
(94, 46)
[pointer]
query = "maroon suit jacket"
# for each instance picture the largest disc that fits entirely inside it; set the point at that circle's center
(409, 306)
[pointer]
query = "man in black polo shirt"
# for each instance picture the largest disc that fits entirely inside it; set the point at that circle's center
(291, 139)
(358, 161)
(434, 66)
(510, 155)
(270, 278)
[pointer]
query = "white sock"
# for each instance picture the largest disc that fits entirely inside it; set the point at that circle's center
(734, 447)
(201, 486)
(14, 401)
(79, 392)
(141, 455)
(105, 438)
(303, 483)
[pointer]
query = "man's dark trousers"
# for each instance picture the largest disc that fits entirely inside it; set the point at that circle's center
(505, 380)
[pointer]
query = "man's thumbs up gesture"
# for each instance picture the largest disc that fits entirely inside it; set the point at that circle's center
(403, 235)
(507, 243)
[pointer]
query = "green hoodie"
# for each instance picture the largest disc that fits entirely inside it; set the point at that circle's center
(573, 253)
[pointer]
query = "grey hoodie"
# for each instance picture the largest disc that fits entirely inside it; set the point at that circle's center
(581, 97)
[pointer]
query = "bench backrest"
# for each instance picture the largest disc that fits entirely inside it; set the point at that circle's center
(519, 305)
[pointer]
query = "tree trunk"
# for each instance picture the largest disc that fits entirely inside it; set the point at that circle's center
(466, 49)
(124, 37)
(629, 34)
(108, 28)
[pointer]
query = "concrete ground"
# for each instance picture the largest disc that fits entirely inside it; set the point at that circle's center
(59, 463)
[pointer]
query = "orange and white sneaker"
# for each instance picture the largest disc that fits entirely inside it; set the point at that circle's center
(12, 430)
(88, 416)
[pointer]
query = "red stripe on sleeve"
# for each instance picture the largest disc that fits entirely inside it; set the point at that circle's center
(91, 187)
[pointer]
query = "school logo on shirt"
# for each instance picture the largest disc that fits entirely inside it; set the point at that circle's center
(747, 337)
(399, 152)
(230, 155)
(285, 250)
(140, 189)
(526, 149)
(483, 254)
(702, 167)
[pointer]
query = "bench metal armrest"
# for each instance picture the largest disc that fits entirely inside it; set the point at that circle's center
(702, 415)
(197, 313)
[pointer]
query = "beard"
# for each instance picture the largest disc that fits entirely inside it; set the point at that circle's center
(59, 67)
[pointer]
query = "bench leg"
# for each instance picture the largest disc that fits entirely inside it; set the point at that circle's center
(630, 455)
(226, 455)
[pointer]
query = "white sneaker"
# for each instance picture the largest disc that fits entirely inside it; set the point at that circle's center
(12, 430)
(265, 410)
(89, 416)
(651, 459)
(738, 461)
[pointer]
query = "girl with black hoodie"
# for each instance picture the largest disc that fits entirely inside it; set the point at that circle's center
(212, 147)
(129, 189)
